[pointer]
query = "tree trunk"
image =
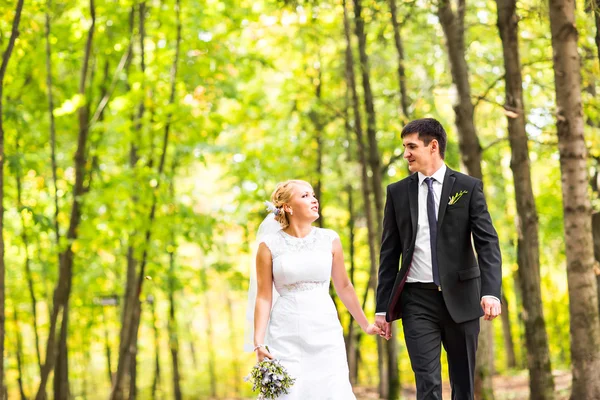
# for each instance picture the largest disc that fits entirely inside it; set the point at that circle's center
(366, 189)
(19, 354)
(212, 375)
(521, 363)
(61, 370)
(129, 333)
(351, 353)
(28, 274)
(172, 323)
(596, 178)
(62, 290)
(454, 28)
(174, 345)
(596, 10)
(127, 351)
(86, 379)
(484, 369)
(392, 364)
(49, 88)
(132, 309)
(107, 350)
(596, 230)
(351, 336)
(45, 277)
(5, 59)
(316, 119)
(583, 295)
(133, 349)
(235, 361)
(119, 388)
(404, 100)
(596, 236)
(541, 382)
(509, 345)
(374, 158)
(389, 384)
(362, 157)
(191, 345)
(133, 157)
(157, 374)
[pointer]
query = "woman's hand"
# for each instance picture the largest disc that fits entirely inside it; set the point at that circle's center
(262, 353)
(373, 329)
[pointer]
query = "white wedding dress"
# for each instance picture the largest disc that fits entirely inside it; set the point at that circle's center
(304, 332)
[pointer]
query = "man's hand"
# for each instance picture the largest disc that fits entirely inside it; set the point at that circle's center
(386, 327)
(491, 308)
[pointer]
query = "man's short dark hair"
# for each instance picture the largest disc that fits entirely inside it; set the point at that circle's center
(428, 129)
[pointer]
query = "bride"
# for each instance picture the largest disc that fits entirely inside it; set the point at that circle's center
(302, 329)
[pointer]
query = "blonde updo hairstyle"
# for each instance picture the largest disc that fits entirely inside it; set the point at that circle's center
(281, 196)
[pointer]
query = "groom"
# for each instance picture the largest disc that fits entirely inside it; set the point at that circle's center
(439, 289)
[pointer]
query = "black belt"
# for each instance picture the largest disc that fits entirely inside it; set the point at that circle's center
(424, 285)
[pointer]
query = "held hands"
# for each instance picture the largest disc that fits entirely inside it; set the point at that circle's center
(372, 329)
(491, 308)
(385, 327)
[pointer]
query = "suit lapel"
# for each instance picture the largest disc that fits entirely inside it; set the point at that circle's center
(413, 199)
(446, 190)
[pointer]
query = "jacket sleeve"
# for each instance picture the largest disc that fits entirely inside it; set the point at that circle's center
(486, 243)
(389, 259)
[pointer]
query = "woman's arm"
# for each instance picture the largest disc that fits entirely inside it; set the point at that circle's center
(264, 299)
(345, 289)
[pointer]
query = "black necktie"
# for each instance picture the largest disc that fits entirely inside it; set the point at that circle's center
(432, 230)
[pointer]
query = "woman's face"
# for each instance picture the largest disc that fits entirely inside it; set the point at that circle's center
(303, 203)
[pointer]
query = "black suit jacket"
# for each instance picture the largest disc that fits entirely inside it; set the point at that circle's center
(463, 277)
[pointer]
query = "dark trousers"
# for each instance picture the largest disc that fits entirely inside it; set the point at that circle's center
(427, 325)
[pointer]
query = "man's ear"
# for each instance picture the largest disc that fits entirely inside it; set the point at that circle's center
(434, 145)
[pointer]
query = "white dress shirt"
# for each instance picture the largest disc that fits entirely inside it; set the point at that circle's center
(420, 269)
(421, 266)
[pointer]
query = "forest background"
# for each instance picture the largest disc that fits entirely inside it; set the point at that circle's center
(139, 140)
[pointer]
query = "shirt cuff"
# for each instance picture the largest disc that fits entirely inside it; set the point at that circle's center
(380, 313)
(491, 297)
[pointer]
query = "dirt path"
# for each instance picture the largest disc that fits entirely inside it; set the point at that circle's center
(514, 387)
(506, 387)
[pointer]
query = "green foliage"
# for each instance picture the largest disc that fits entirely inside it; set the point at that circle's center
(259, 85)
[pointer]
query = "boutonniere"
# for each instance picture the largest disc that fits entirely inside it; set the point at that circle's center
(456, 197)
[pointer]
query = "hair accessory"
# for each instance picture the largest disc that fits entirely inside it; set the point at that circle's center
(271, 208)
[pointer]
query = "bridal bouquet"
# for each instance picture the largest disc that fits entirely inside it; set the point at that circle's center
(270, 378)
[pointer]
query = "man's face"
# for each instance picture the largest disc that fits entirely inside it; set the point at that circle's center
(419, 156)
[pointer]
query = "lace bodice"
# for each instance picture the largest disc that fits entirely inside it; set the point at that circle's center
(301, 264)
